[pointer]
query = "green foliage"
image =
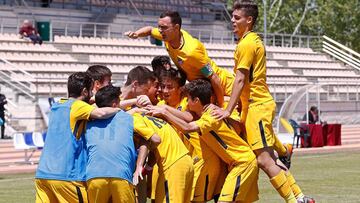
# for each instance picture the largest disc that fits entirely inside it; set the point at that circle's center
(337, 19)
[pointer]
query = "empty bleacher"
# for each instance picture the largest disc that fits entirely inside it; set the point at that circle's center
(52, 62)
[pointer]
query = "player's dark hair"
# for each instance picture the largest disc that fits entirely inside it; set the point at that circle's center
(176, 75)
(107, 95)
(174, 16)
(141, 74)
(201, 89)
(158, 64)
(250, 8)
(77, 82)
(99, 72)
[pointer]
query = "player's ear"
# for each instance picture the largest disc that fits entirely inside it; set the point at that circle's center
(97, 85)
(84, 92)
(196, 100)
(249, 20)
(134, 85)
(177, 26)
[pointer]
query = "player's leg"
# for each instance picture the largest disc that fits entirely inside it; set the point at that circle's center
(60, 191)
(122, 191)
(241, 183)
(98, 190)
(209, 172)
(177, 182)
(43, 192)
(261, 138)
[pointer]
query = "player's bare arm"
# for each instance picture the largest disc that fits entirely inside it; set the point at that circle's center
(103, 113)
(234, 97)
(219, 92)
(142, 154)
(180, 124)
(159, 111)
(142, 32)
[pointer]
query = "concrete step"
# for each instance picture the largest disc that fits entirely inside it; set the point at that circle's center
(327, 149)
(17, 160)
(19, 154)
(350, 133)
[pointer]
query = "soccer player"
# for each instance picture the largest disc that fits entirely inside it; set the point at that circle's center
(176, 170)
(187, 53)
(160, 63)
(250, 86)
(241, 182)
(207, 165)
(111, 151)
(101, 76)
(60, 175)
(142, 82)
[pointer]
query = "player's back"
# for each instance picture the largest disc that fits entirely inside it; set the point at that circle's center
(110, 147)
(171, 147)
(224, 141)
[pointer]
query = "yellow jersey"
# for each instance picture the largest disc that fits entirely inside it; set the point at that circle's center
(79, 114)
(171, 147)
(198, 146)
(223, 140)
(192, 58)
(250, 55)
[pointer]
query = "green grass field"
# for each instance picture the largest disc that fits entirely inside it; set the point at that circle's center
(327, 177)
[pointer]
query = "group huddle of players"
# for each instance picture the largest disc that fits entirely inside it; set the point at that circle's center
(188, 141)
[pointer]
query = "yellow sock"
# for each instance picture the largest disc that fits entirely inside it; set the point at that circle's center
(280, 183)
(294, 186)
(279, 147)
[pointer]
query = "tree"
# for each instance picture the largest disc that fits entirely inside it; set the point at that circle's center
(338, 19)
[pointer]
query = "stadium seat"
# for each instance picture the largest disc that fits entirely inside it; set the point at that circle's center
(299, 132)
(38, 139)
(24, 141)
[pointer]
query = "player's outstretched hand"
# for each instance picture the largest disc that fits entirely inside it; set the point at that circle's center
(137, 110)
(219, 113)
(143, 101)
(131, 34)
(157, 111)
(137, 174)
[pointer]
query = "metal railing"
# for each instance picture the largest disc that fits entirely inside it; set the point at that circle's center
(109, 30)
(21, 86)
(341, 52)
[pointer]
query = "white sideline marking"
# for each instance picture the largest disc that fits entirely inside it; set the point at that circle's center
(15, 179)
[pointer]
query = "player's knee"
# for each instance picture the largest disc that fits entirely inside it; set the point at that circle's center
(265, 161)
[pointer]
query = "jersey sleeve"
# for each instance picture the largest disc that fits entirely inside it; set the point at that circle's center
(207, 123)
(81, 110)
(142, 128)
(245, 54)
(155, 33)
(200, 59)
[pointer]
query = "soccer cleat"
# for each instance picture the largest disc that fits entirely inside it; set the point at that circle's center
(305, 199)
(286, 160)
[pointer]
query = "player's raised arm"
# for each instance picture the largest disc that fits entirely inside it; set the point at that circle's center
(142, 32)
(235, 95)
(180, 124)
(219, 92)
(104, 112)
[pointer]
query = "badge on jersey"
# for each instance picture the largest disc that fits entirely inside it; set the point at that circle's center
(207, 70)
